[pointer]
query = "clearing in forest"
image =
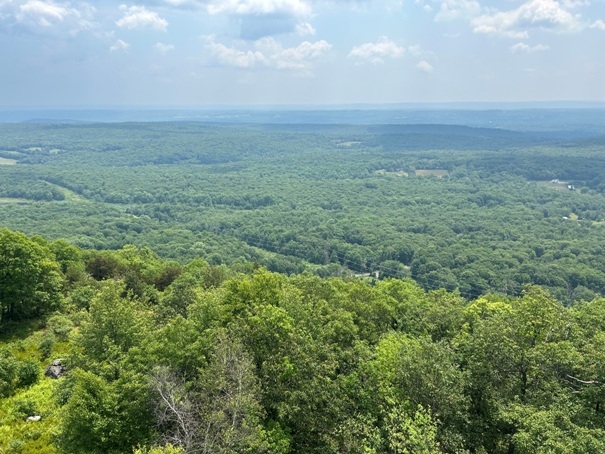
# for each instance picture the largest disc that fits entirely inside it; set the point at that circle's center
(4, 200)
(68, 193)
(397, 173)
(556, 185)
(439, 173)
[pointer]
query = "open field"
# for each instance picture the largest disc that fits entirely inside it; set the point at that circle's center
(439, 173)
(555, 186)
(11, 200)
(348, 144)
(397, 173)
(67, 193)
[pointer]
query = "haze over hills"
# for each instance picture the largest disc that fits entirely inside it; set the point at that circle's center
(581, 118)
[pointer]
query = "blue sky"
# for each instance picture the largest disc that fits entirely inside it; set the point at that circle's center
(255, 52)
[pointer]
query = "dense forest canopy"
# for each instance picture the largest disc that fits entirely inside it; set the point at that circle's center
(147, 355)
(283, 287)
(456, 207)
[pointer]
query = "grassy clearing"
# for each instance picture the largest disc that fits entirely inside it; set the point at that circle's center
(69, 194)
(7, 162)
(439, 173)
(24, 340)
(22, 436)
(11, 200)
(397, 173)
(555, 186)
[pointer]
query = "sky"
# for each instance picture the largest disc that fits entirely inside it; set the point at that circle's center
(303, 52)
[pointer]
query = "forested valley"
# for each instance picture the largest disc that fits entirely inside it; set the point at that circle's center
(188, 287)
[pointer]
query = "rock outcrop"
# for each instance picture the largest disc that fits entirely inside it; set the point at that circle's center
(55, 370)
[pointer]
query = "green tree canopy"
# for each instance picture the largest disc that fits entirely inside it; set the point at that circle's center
(30, 279)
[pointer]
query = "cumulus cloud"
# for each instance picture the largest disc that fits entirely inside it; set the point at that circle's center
(378, 51)
(450, 10)
(304, 29)
(246, 7)
(163, 48)
(42, 16)
(570, 4)
(139, 18)
(599, 25)
(293, 58)
(424, 66)
(230, 56)
(268, 53)
(188, 4)
(526, 48)
(257, 18)
(546, 14)
(119, 46)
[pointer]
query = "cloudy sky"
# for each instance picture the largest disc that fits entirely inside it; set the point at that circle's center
(256, 52)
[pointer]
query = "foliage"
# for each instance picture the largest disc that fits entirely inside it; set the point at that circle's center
(294, 198)
(260, 326)
(29, 277)
(225, 361)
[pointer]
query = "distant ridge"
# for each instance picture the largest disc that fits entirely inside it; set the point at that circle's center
(588, 120)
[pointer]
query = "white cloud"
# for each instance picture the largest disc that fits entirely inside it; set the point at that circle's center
(119, 46)
(163, 48)
(526, 48)
(193, 4)
(570, 4)
(230, 56)
(294, 58)
(139, 17)
(546, 14)
(246, 7)
(305, 29)
(378, 51)
(415, 50)
(268, 53)
(598, 24)
(424, 66)
(457, 9)
(45, 16)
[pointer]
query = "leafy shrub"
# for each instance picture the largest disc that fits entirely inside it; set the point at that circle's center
(24, 408)
(47, 344)
(28, 374)
(60, 325)
(9, 368)
(81, 297)
(16, 445)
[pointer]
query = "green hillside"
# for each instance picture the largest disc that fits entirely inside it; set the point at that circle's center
(154, 356)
